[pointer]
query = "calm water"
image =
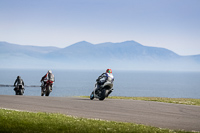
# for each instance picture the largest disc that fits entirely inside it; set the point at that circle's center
(127, 83)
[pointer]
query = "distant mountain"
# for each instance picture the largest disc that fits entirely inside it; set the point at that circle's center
(32, 51)
(84, 55)
(128, 50)
(20, 56)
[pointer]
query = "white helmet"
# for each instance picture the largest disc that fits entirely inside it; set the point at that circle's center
(49, 71)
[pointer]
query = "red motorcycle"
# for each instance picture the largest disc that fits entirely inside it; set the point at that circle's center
(46, 88)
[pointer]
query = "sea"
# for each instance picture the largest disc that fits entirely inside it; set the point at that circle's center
(127, 83)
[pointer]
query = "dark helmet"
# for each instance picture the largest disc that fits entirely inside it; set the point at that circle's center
(18, 77)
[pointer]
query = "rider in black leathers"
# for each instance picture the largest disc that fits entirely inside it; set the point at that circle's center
(19, 81)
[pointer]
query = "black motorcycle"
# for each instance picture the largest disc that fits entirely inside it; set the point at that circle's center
(19, 89)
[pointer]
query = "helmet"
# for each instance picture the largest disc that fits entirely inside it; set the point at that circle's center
(18, 77)
(108, 71)
(49, 71)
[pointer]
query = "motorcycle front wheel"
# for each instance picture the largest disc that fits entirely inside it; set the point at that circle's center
(92, 96)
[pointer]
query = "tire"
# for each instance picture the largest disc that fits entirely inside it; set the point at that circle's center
(42, 90)
(42, 93)
(17, 91)
(102, 97)
(48, 90)
(20, 92)
(92, 96)
(23, 91)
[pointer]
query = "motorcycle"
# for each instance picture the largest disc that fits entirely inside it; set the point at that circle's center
(46, 89)
(103, 91)
(19, 89)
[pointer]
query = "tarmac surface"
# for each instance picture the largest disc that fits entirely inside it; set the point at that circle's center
(163, 115)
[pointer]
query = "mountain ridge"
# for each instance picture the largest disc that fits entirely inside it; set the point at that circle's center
(85, 55)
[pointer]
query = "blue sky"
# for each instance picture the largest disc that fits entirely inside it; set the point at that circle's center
(172, 24)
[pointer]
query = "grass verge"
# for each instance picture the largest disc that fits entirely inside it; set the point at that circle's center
(187, 101)
(28, 122)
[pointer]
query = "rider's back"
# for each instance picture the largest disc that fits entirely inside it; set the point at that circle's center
(19, 81)
(51, 77)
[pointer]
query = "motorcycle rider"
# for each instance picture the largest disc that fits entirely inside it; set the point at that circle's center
(49, 77)
(19, 81)
(107, 76)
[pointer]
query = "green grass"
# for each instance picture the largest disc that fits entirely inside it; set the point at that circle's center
(187, 101)
(29, 122)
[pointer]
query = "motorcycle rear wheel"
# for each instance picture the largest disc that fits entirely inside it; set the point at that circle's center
(20, 92)
(48, 90)
(103, 95)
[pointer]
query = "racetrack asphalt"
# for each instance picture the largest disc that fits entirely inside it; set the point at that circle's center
(157, 114)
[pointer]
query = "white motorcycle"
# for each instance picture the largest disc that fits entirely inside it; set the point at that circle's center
(103, 91)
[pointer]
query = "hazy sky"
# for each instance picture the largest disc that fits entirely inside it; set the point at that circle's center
(172, 24)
